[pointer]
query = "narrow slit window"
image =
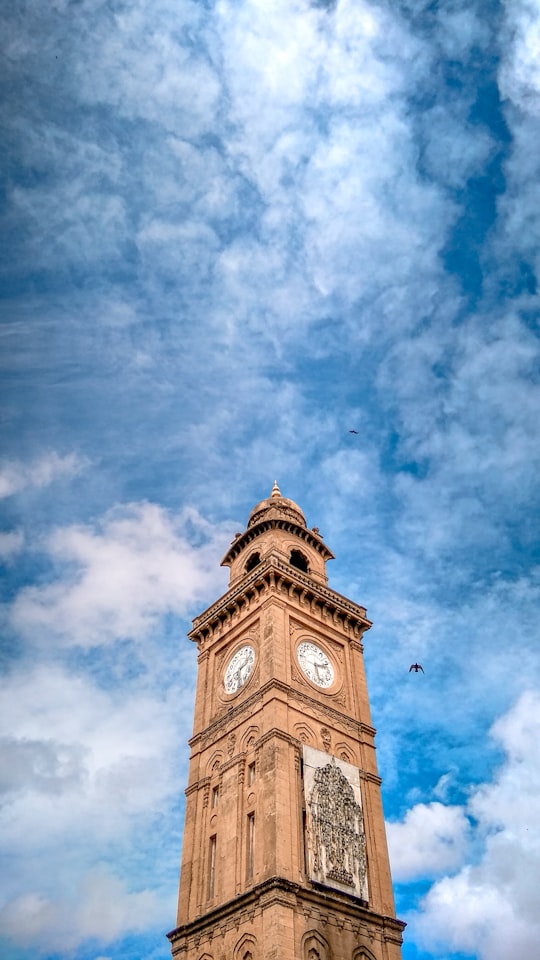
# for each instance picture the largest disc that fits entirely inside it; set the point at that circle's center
(251, 774)
(304, 832)
(212, 868)
(250, 845)
(215, 796)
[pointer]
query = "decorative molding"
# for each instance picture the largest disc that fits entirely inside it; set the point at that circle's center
(215, 762)
(324, 712)
(304, 733)
(249, 737)
(289, 523)
(298, 676)
(247, 942)
(276, 576)
(340, 697)
(315, 946)
(345, 752)
(311, 902)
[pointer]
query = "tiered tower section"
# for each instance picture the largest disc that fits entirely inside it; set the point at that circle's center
(284, 852)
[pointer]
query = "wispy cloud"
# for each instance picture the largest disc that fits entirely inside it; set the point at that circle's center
(117, 581)
(16, 476)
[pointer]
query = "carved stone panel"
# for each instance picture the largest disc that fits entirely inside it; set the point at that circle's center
(335, 838)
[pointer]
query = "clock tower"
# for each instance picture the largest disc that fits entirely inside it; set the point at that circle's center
(284, 851)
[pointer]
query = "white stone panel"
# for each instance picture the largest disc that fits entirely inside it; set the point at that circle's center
(335, 838)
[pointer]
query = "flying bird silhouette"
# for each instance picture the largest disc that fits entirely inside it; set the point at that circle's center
(353, 431)
(416, 667)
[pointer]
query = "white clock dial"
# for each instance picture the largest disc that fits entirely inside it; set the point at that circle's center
(315, 664)
(239, 668)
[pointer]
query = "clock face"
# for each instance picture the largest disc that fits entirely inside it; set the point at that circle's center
(239, 668)
(315, 664)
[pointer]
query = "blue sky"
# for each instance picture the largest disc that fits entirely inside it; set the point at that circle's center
(234, 231)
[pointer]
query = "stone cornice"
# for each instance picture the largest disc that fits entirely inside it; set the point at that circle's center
(274, 576)
(314, 900)
(233, 715)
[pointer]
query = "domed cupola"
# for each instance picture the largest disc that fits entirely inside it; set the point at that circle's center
(277, 528)
(274, 507)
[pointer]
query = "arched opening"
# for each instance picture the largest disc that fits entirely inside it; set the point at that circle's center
(253, 561)
(299, 561)
(314, 946)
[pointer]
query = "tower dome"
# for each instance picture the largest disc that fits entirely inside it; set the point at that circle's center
(277, 532)
(276, 507)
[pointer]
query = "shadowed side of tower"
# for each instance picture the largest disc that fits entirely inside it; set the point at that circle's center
(284, 852)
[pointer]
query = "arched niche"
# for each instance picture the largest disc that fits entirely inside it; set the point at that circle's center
(214, 763)
(249, 738)
(315, 946)
(246, 948)
(363, 953)
(304, 733)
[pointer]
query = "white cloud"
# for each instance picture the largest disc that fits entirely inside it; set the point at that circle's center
(466, 406)
(322, 129)
(492, 908)
(460, 30)
(519, 84)
(88, 745)
(520, 70)
(15, 475)
(142, 67)
(100, 907)
(430, 840)
(118, 579)
(455, 150)
(89, 771)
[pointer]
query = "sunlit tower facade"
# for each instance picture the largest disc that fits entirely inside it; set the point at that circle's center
(284, 851)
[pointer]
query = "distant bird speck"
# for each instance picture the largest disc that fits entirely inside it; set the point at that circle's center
(353, 431)
(416, 667)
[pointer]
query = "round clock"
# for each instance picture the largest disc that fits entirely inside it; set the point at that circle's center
(239, 668)
(315, 664)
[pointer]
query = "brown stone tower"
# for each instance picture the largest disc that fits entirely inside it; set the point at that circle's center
(284, 852)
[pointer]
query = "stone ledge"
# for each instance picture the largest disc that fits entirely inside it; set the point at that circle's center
(274, 574)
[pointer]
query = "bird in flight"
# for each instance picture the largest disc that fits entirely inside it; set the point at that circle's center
(416, 667)
(353, 431)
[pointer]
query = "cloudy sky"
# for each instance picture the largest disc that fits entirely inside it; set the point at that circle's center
(233, 231)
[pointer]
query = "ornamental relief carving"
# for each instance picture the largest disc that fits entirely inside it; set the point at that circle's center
(296, 628)
(343, 751)
(335, 840)
(326, 738)
(304, 733)
(298, 676)
(336, 648)
(250, 636)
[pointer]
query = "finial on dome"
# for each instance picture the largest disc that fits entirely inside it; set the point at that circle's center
(276, 492)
